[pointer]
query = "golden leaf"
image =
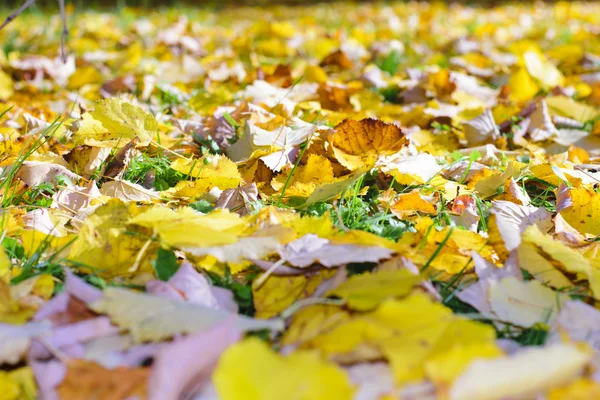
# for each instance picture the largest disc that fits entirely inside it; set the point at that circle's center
(358, 144)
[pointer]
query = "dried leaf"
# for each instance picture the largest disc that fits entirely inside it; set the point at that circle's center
(358, 144)
(154, 318)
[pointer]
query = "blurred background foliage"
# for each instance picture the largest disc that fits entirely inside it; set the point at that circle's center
(213, 3)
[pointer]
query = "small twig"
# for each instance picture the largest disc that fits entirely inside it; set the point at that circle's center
(65, 31)
(140, 255)
(168, 150)
(578, 168)
(55, 351)
(14, 15)
(300, 304)
(505, 126)
(339, 215)
(263, 278)
(63, 14)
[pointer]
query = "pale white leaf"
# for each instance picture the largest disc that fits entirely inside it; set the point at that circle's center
(522, 375)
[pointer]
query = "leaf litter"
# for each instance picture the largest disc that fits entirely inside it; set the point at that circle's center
(345, 201)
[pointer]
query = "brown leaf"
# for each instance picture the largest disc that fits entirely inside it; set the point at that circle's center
(238, 200)
(87, 380)
(337, 58)
(335, 98)
(86, 159)
(118, 164)
(360, 143)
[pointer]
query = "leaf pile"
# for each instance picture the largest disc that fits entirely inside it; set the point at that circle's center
(337, 201)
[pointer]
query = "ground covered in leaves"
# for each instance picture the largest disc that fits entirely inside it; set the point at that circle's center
(322, 202)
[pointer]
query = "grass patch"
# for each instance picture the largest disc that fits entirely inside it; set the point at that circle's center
(155, 170)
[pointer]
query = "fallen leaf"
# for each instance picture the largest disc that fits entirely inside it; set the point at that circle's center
(409, 170)
(445, 368)
(18, 384)
(85, 380)
(481, 129)
(581, 389)
(568, 107)
(246, 248)
(127, 191)
(542, 69)
(524, 374)
(365, 292)
(280, 292)
(34, 173)
(239, 200)
(407, 332)
(524, 303)
(184, 364)
(512, 220)
(187, 284)
(580, 321)
(250, 370)
(358, 144)
(311, 249)
(579, 208)
(16, 340)
(548, 260)
(104, 246)
(408, 204)
(116, 122)
(154, 318)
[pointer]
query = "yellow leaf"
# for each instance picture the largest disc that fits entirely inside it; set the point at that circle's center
(206, 101)
(314, 73)
(546, 258)
(363, 238)
(583, 211)
(317, 171)
(542, 69)
(568, 107)
(444, 369)
(115, 122)
(330, 190)
(550, 173)
(44, 286)
(11, 312)
(453, 256)
(413, 203)
(188, 228)
(581, 389)
(311, 321)
(35, 240)
(208, 172)
(438, 144)
(407, 332)
(522, 86)
(280, 292)
(488, 187)
(249, 370)
(18, 384)
(84, 76)
(358, 144)
(105, 246)
(154, 318)
(366, 291)
(6, 85)
(299, 224)
(5, 265)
